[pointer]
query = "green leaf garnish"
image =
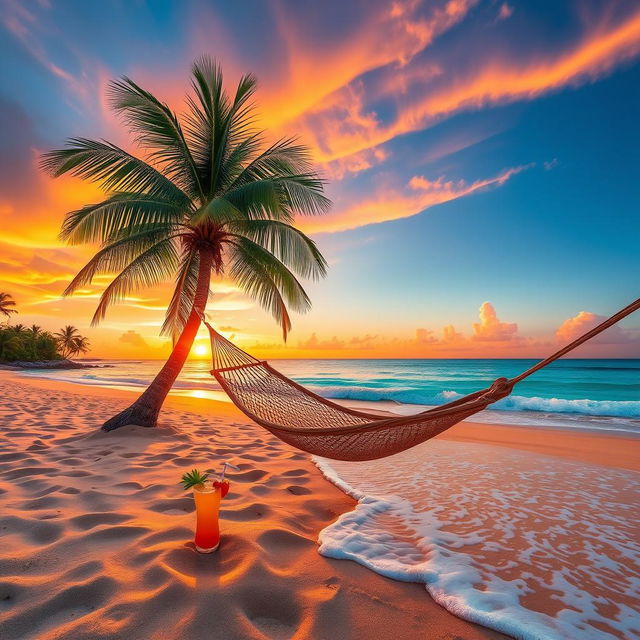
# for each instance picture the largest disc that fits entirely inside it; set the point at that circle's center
(193, 478)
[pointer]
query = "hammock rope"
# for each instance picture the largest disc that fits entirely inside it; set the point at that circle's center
(316, 425)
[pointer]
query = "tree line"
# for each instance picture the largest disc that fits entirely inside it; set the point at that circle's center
(19, 342)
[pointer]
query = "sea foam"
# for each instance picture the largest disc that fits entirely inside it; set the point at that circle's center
(407, 395)
(535, 547)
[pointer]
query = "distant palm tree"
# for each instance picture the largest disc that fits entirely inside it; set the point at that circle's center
(19, 328)
(6, 304)
(35, 329)
(70, 342)
(81, 345)
(210, 198)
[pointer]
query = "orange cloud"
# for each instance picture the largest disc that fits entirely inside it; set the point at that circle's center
(584, 321)
(381, 37)
(133, 339)
(450, 335)
(489, 338)
(393, 204)
(490, 328)
(496, 82)
(425, 336)
(35, 215)
(314, 343)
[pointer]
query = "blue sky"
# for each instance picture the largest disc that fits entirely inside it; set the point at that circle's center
(476, 151)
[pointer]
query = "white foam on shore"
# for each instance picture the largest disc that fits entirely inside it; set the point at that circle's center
(533, 546)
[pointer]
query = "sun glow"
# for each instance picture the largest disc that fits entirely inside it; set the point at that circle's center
(200, 350)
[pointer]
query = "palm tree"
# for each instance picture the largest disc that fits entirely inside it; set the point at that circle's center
(209, 198)
(35, 329)
(70, 342)
(6, 304)
(80, 345)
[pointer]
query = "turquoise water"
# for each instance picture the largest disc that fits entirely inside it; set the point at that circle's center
(572, 392)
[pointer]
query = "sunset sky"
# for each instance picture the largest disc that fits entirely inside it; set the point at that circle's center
(482, 157)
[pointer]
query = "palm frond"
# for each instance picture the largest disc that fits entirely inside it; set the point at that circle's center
(152, 266)
(122, 211)
(113, 168)
(236, 159)
(183, 296)
(284, 157)
(214, 123)
(239, 126)
(157, 128)
(263, 277)
(204, 121)
(292, 247)
(117, 255)
(219, 210)
(260, 200)
(6, 304)
(304, 193)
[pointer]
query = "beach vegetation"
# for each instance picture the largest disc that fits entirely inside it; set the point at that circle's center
(17, 343)
(70, 342)
(207, 197)
(7, 305)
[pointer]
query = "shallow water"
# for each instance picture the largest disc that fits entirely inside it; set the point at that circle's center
(571, 393)
(533, 546)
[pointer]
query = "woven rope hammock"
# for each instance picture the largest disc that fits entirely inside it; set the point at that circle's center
(318, 426)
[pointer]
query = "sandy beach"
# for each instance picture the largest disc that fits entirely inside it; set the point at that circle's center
(97, 533)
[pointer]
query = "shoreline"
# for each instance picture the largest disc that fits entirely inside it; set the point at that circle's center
(585, 444)
(98, 519)
(49, 365)
(561, 411)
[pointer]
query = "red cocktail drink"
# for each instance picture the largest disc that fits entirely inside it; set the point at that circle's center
(207, 507)
(207, 493)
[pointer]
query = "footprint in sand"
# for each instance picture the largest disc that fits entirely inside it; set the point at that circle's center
(168, 535)
(115, 534)
(44, 532)
(276, 615)
(295, 473)
(250, 476)
(173, 505)
(254, 511)
(47, 502)
(91, 520)
(128, 485)
(277, 540)
(297, 490)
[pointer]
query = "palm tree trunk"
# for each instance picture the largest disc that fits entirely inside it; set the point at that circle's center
(144, 411)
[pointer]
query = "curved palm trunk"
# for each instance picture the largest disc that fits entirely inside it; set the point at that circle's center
(144, 411)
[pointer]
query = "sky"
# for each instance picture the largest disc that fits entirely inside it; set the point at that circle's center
(482, 158)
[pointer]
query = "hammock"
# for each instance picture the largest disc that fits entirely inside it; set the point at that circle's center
(316, 425)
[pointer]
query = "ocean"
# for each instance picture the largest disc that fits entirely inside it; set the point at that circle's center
(571, 393)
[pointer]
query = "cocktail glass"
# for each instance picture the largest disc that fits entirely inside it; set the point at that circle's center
(207, 499)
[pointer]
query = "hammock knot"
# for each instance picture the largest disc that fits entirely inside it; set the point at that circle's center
(500, 388)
